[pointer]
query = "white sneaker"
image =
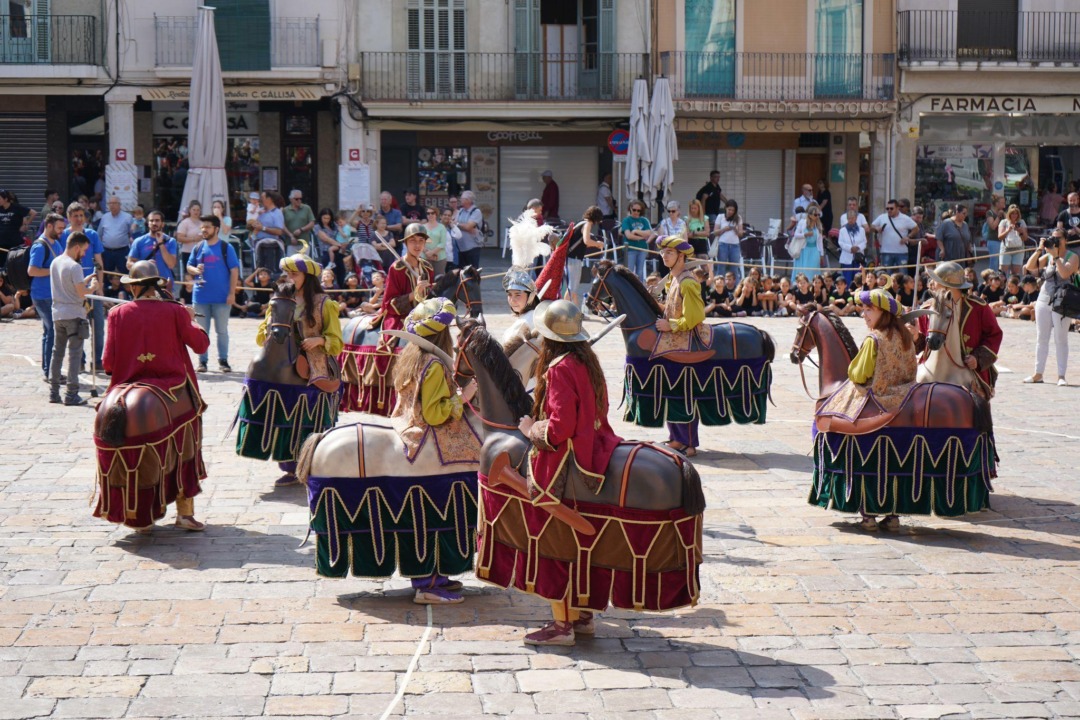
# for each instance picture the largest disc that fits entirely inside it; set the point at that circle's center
(1062, 382)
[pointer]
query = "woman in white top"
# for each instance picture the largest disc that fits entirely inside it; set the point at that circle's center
(1012, 232)
(725, 248)
(673, 224)
(188, 236)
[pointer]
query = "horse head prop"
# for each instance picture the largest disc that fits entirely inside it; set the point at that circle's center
(276, 359)
(462, 285)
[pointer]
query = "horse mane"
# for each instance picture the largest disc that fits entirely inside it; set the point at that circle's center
(489, 353)
(285, 289)
(444, 282)
(838, 325)
(635, 282)
(515, 343)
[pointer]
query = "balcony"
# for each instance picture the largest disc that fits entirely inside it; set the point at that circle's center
(783, 77)
(423, 76)
(278, 43)
(948, 37)
(49, 40)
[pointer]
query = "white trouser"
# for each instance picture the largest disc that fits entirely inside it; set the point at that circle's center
(1048, 322)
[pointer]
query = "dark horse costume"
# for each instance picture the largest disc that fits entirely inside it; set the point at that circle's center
(934, 455)
(645, 546)
(148, 430)
(726, 380)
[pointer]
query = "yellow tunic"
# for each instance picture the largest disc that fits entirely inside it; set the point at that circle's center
(433, 408)
(882, 374)
(331, 326)
(685, 312)
(437, 403)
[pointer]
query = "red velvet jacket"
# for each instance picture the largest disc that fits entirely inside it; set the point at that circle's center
(570, 431)
(980, 334)
(147, 341)
(398, 300)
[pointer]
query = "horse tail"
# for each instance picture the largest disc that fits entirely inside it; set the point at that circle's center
(693, 498)
(114, 423)
(984, 421)
(307, 455)
(768, 346)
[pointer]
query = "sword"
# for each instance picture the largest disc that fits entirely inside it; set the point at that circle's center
(606, 329)
(119, 301)
(397, 256)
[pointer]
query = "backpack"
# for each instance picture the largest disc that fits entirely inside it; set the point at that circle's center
(18, 265)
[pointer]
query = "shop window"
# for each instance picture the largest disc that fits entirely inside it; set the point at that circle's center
(947, 174)
(710, 48)
(838, 71)
(437, 61)
(298, 155)
(441, 172)
(987, 29)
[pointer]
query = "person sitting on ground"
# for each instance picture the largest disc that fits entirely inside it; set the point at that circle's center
(1025, 309)
(719, 299)
(8, 303)
(785, 300)
(767, 297)
(1004, 307)
(746, 298)
(803, 292)
(352, 300)
(378, 284)
(260, 287)
(654, 284)
(841, 300)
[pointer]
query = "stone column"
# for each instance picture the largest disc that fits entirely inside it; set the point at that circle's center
(359, 147)
(121, 177)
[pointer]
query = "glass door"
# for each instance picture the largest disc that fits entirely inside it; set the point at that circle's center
(298, 155)
(838, 71)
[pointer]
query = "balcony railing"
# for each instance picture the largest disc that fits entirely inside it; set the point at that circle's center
(50, 40)
(294, 42)
(962, 36)
(415, 76)
(779, 76)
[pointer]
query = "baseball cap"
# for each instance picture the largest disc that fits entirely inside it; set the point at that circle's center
(547, 173)
(253, 195)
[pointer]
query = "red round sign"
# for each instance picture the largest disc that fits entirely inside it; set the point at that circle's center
(619, 141)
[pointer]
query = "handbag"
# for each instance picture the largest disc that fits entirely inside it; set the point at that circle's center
(796, 243)
(1066, 300)
(1013, 241)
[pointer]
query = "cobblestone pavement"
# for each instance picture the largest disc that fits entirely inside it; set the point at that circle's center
(801, 616)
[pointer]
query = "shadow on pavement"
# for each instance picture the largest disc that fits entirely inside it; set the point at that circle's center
(219, 546)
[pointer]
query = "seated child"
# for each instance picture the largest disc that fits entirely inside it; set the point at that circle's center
(1025, 309)
(841, 300)
(351, 301)
(1009, 299)
(719, 298)
(374, 301)
(767, 296)
(785, 299)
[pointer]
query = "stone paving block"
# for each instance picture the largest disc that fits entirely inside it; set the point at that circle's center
(489, 683)
(100, 707)
(899, 694)
(719, 677)
(15, 709)
(1031, 671)
(199, 706)
(300, 684)
(629, 700)
(864, 712)
(556, 702)
(502, 704)
(85, 687)
(317, 706)
(1010, 711)
(539, 681)
(892, 674)
(1022, 692)
(206, 685)
(436, 704)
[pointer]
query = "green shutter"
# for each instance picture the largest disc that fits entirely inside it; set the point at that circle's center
(526, 47)
(243, 34)
(606, 47)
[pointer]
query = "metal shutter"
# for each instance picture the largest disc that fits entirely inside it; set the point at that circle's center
(764, 188)
(691, 172)
(575, 169)
(24, 156)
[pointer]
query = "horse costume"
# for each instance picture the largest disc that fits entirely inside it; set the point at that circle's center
(722, 379)
(148, 429)
(930, 453)
(367, 355)
(281, 404)
(400, 497)
(627, 533)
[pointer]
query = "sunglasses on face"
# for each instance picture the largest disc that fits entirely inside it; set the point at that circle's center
(673, 212)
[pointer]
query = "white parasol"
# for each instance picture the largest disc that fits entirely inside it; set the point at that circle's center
(639, 154)
(662, 137)
(206, 179)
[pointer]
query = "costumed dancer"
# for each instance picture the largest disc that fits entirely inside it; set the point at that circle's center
(429, 403)
(276, 417)
(369, 367)
(979, 329)
(684, 313)
(154, 392)
(882, 373)
(570, 433)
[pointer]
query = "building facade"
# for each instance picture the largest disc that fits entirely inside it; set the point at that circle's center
(86, 84)
(985, 103)
(776, 105)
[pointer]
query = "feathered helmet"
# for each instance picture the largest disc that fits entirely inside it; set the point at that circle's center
(300, 263)
(430, 317)
(880, 299)
(527, 237)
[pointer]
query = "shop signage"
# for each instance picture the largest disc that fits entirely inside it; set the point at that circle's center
(618, 142)
(853, 108)
(239, 92)
(998, 104)
(1026, 130)
(514, 136)
(780, 125)
(176, 123)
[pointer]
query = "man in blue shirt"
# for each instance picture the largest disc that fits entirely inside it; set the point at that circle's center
(155, 245)
(216, 272)
(92, 265)
(394, 221)
(44, 250)
(115, 231)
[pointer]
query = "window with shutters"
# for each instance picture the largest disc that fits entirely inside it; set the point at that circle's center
(987, 29)
(838, 63)
(437, 62)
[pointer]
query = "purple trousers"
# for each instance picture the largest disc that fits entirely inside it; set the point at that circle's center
(685, 433)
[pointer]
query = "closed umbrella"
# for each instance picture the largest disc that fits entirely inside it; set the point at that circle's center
(639, 154)
(665, 149)
(206, 179)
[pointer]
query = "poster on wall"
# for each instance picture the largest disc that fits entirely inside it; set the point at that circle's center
(354, 185)
(485, 180)
(122, 180)
(441, 172)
